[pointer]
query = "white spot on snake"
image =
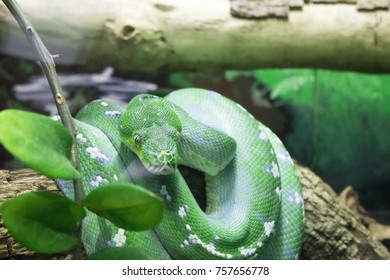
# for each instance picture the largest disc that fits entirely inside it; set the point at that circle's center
(164, 193)
(278, 192)
(283, 155)
(87, 220)
(294, 197)
(275, 170)
(247, 252)
(262, 135)
(98, 181)
(81, 138)
(96, 154)
(268, 227)
(193, 239)
(115, 177)
(104, 104)
(298, 198)
(94, 184)
(119, 238)
(183, 211)
(259, 244)
(210, 247)
(112, 113)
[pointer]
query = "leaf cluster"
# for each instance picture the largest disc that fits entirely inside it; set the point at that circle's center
(47, 222)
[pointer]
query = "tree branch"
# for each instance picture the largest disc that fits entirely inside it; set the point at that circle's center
(202, 35)
(48, 66)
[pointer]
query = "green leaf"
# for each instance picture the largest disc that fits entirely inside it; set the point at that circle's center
(39, 142)
(42, 221)
(119, 253)
(128, 206)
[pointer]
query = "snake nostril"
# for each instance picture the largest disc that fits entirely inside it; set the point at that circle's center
(164, 156)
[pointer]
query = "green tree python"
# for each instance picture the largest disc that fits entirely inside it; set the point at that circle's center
(254, 199)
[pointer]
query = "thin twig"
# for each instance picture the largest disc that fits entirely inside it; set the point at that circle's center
(48, 66)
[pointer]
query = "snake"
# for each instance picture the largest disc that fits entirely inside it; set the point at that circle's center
(254, 204)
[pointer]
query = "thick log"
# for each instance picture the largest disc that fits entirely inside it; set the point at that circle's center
(201, 35)
(333, 231)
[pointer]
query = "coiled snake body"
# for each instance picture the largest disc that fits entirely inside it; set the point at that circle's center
(254, 199)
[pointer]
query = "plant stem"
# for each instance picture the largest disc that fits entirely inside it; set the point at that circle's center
(48, 66)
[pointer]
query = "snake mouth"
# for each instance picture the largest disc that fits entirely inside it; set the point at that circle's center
(162, 169)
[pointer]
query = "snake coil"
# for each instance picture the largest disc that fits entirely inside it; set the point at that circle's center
(254, 198)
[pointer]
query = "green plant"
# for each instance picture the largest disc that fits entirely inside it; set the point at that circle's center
(46, 222)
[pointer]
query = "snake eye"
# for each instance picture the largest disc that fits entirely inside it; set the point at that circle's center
(137, 139)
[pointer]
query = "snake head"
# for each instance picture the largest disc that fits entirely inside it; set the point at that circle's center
(152, 131)
(156, 147)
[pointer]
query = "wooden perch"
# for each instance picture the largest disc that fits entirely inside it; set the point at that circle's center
(333, 231)
(202, 35)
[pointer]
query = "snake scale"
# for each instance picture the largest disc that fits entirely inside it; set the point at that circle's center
(254, 199)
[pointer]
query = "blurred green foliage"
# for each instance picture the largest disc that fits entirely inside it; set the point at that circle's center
(340, 123)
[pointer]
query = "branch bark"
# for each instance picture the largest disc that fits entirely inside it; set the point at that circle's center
(333, 231)
(202, 35)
